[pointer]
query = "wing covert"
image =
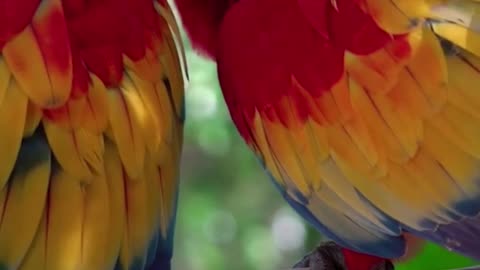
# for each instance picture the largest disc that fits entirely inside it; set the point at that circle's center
(384, 145)
(91, 131)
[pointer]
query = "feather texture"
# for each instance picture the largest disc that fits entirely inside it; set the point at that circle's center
(365, 113)
(91, 125)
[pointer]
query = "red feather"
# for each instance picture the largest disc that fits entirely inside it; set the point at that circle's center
(270, 49)
(359, 261)
(15, 15)
(202, 20)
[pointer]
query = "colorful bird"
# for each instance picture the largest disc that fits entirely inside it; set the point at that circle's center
(91, 126)
(366, 113)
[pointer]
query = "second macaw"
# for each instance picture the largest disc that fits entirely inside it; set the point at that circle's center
(366, 113)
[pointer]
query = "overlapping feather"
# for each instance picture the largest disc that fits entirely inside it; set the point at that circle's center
(82, 182)
(394, 145)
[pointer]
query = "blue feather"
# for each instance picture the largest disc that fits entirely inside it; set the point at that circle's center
(164, 248)
(384, 246)
(469, 207)
(33, 151)
(152, 249)
(462, 236)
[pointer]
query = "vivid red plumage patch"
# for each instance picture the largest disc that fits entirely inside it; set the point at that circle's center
(52, 38)
(358, 261)
(81, 78)
(202, 20)
(101, 32)
(263, 43)
(106, 30)
(351, 28)
(14, 16)
(269, 49)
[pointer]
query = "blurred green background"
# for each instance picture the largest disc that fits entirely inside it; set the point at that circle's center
(230, 216)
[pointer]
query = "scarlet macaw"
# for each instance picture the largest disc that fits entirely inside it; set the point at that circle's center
(366, 113)
(91, 125)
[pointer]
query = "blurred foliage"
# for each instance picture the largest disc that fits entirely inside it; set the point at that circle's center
(230, 215)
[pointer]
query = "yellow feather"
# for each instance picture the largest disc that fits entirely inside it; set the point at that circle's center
(463, 81)
(58, 243)
(336, 181)
(148, 67)
(67, 147)
(459, 128)
(14, 106)
(289, 163)
(339, 219)
(302, 144)
(71, 114)
(379, 193)
(76, 112)
(401, 184)
(462, 167)
(96, 248)
(169, 177)
(96, 112)
(5, 77)
(416, 8)
(362, 138)
(155, 195)
(408, 97)
(457, 99)
(139, 98)
(467, 125)
(136, 236)
(423, 167)
(363, 176)
(403, 125)
(391, 17)
(381, 134)
(341, 96)
(319, 133)
(36, 255)
(339, 103)
(167, 120)
(46, 84)
(127, 131)
(25, 60)
(91, 149)
(373, 81)
(343, 147)
(429, 69)
(33, 118)
(263, 146)
(385, 64)
(471, 59)
(116, 192)
(3, 197)
(461, 36)
(26, 196)
(329, 110)
(172, 69)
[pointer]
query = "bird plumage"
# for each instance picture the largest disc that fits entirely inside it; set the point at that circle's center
(364, 112)
(91, 130)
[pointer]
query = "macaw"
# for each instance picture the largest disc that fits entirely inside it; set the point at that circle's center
(91, 126)
(365, 113)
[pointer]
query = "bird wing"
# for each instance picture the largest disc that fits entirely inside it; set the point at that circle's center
(365, 113)
(91, 125)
